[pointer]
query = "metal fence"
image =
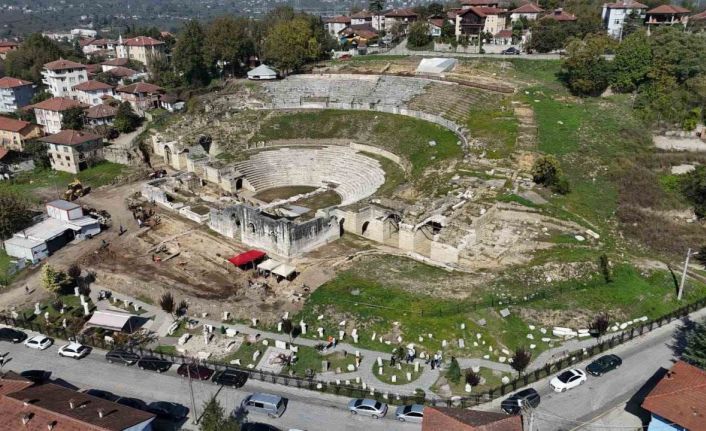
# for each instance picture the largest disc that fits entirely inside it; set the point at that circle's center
(357, 391)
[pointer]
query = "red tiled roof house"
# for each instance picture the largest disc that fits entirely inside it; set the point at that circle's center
(15, 93)
(50, 113)
(73, 151)
(678, 401)
(14, 133)
(448, 419)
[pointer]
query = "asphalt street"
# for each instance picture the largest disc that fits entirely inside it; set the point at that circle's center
(583, 407)
(306, 410)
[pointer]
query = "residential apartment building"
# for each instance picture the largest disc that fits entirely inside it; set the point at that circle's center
(61, 76)
(73, 151)
(14, 133)
(475, 20)
(50, 113)
(528, 11)
(92, 92)
(401, 17)
(139, 48)
(14, 93)
(614, 16)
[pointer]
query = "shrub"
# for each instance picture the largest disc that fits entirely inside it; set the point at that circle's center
(453, 374)
(472, 378)
(166, 302)
(600, 325)
(521, 359)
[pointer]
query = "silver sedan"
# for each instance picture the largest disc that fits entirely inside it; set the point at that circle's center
(410, 413)
(367, 407)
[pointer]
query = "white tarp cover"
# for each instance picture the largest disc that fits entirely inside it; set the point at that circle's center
(269, 265)
(284, 270)
(435, 66)
(111, 320)
(262, 72)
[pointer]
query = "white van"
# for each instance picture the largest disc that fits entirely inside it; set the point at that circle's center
(271, 405)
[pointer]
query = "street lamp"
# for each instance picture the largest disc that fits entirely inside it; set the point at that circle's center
(689, 253)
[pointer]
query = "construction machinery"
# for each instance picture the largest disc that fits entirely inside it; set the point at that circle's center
(75, 190)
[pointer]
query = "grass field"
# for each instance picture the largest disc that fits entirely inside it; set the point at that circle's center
(404, 136)
(96, 176)
(308, 358)
(400, 371)
(492, 378)
(497, 127)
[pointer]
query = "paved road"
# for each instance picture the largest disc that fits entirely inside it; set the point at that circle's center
(306, 410)
(588, 406)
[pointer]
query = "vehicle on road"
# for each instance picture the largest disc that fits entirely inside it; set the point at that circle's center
(231, 378)
(120, 356)
(410, 413)
(516, 402)
(105, 395)
(169, 411)
(271, 405)
(36, 376)
(132, 402)
(12, 335)
(604, 364)
(567, 380)
(196, 371)
(153, 363)
(74, 350)
(368, 407)
(510, 51)
(39, 342)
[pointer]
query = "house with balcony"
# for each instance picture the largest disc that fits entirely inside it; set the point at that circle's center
(528, 11)
(614, 15)
(15, 93)
(475, 20)
(73, 151)
(101, 115)
(14, 133)
(61, 76)
(139, 48)
(141, 95)
(666, 15)
(92, 92)
(50, 112)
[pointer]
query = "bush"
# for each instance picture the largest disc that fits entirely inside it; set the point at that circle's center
(521, 359)
(453, 374)
(472, 378)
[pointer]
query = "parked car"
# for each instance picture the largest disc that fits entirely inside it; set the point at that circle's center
(257, 426)
(74, 350)
(105, 395)
(271, 405)
(153, 363)
(36, 376)
(368, 407)
(515, 403)
(12, 335)
(196, 371)
(132, 402)
(39, 342)
(567, 380)
(510, 51)
(169, 411)
(410, 413)
(121, 356)
(231, 378)
(604, 364)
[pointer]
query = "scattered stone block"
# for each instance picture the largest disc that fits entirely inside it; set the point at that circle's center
(351, 367)
(504, 312)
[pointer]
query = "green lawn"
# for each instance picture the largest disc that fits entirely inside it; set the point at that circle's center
(96, 176)
(166, 350)
(245, 353)
(310, 358)
(492, 378)
(404, 136)
(496, 127)
(72, 306)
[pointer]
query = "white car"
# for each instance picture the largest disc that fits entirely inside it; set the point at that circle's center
(73, 350)
(39, 342)
(568, 379)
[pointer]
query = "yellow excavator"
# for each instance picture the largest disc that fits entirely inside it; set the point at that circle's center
(75, 190)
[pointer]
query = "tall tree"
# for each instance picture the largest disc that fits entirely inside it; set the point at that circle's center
(584, 70)
(632, 63)
(548, 35)
(214, 418)
(377, 6)
(27, 61)
(418, 35)
(126, 120)
(695, 348)
(228, 43)
(188, 55)
(521, 359)
(73, 118)
(291, 44)
(15, 213)
(693, 187)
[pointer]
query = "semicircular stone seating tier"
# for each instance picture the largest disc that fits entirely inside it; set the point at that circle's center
(345, 89)
(354, 175)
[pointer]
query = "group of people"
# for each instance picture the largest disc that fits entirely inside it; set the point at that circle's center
(435, 360)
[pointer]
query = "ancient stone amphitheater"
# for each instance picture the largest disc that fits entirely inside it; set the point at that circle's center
(350, 174)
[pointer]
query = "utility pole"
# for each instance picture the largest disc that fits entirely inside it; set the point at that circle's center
(530, 425)
(683, 274)
(194, 416)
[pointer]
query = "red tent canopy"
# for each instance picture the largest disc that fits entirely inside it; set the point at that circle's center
(247, 257)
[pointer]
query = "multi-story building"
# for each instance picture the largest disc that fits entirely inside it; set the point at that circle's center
(73, 151)
(141, 95)
(336, 24)
(50, 113)
(14, 133)
(615, 15)
(475, 20)
(528, 11)
(61, 75)
(92, 92)
(139, 48)
(101, 115)
(91, 46)
(14, 93)
(666, 15)
(401, 17)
